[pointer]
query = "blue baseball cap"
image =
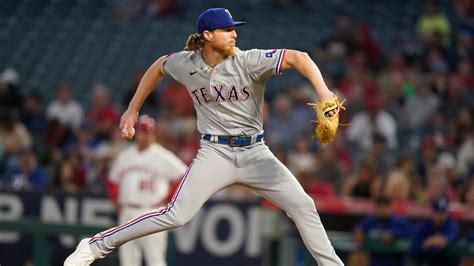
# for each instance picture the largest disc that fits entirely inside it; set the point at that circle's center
(215, 18)
(440, 204)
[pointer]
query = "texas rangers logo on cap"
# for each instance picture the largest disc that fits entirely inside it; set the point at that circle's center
(228, 13)
(216, 18)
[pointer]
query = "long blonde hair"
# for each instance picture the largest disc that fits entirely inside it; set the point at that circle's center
(194, 42)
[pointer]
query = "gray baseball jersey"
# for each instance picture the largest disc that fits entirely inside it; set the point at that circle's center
(229, 97)
(228, 100)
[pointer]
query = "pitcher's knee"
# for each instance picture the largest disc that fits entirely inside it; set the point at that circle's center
(302, 204)
(180, 219)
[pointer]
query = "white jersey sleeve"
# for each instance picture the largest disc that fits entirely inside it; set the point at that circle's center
(261, 64)
(174, 65)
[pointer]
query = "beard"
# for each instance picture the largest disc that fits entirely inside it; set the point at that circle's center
(231, 51)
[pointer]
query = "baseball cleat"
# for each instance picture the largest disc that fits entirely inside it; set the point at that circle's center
(82, 256)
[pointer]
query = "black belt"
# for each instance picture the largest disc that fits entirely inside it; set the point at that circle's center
(233, 141)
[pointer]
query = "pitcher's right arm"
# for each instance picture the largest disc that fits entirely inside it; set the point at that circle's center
(148, 83)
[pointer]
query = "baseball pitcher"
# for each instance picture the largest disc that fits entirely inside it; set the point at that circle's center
(227, 87)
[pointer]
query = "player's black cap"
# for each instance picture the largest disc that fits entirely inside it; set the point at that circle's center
(215, 18)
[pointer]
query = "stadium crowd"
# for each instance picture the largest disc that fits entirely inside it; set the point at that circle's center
(410, 110)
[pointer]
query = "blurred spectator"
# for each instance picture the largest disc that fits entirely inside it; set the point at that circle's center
(282, 124)
(440, 84)
(189, 143)
(328, 169)
(463, 53)
(365, 43)
(467, 192)
(356, 85)
(393, 73)
(438, 132)
(464, 9)
(445, 164)
(301, 95)
(52, 161)
(27, 176)
(373, 120)
(397, 187)
(470, 236)
(456, 97)
(56, 134)
(433, 235)
(385, 227)
(13, 134)
(162, 8)
(406, 168)
(432, 21)
(463, 125)
(165, 137)
(65, 108)
(102, 161)
(436, 59)
(102, 114)
(380, 153)
(464, 70)
(84, 143)
(104, 153)
(32, 114)
(396, 83)
(64, 181)
(175, 100)
(438, 185)
(317, 188)
(83, 150)
(418, 109)
(10, 76)
(428, 153)
(84, 171)
(301, 159)
(346, 162)
(465, 155)
(341, 41)
(10, 95)
(151, 106)
(113, 146)
(178, 126)
(365, 184)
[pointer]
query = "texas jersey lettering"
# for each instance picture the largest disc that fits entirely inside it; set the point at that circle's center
(220, 93)
(229, 97)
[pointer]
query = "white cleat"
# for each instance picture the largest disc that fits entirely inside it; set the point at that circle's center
(82, 256)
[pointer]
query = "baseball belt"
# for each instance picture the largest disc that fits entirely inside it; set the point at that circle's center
(233, 141)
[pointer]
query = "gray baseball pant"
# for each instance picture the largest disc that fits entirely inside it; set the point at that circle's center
(215, 167)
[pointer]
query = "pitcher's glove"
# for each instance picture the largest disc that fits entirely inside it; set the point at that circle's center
(326, 125)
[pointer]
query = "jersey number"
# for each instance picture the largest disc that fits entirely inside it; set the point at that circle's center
(146, 185)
